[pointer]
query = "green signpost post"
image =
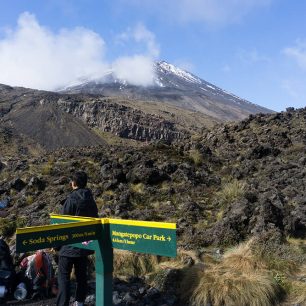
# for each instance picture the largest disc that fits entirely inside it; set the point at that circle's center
(101, 235)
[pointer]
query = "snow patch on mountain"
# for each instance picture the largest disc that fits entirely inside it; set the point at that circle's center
(211, 87)
(166, 67)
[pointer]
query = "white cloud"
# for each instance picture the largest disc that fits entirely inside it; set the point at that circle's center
(137, 69)
(297, 53)
(124, 69)
(32, 55)
(141, 35)
(214, 12)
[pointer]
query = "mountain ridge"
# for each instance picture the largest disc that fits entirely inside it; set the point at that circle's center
(53, 120)
(175, 86)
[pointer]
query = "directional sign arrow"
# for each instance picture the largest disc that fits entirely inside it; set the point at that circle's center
(49, 236)
(169, 238)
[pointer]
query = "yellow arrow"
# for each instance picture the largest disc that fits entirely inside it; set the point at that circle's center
(24, 242)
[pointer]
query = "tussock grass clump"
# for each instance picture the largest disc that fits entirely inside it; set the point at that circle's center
(131, 264)
(297, 293)
(48, 168)
(196, 157)
(222, 286)
(183, 260)
(230, 192)
(29, 199)
(138, 188)
(242, 258)
(239, 279)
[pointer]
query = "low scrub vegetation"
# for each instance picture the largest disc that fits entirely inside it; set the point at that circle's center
(230, 192)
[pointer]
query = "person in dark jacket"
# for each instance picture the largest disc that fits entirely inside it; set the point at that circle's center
(80, 202)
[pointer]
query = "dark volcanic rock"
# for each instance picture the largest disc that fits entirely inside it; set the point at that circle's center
(37, 183)
(191, 212)
(169, 168)
(113, 172)
(234, 227)
(263, 151)
(17, 184)
(298, 219)
(147, 175)
(2, 166)
(241, 181)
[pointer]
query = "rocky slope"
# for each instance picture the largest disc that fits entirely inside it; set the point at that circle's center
(227, 185)
(51, 121)
(235, 182)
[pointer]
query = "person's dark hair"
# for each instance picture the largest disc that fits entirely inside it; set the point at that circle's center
(80, 179)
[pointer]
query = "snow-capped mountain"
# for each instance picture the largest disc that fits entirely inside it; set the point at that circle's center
(175, 86)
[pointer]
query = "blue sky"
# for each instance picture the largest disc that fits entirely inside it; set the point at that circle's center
(255, 49)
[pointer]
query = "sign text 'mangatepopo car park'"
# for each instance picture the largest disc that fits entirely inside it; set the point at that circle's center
(145, 237)
(101, 235)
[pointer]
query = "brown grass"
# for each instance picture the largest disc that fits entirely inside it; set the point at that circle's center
(230, 192)
(137, 188)
(242, 258)
(297, 294)
(131, 264)
(196, 157)
(240, 279)
(224, 286)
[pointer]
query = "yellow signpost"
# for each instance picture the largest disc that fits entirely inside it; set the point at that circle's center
(101, 235)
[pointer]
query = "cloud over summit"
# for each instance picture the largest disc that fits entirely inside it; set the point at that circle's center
(32, 55)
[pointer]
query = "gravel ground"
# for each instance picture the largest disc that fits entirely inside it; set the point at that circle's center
(46, 302)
